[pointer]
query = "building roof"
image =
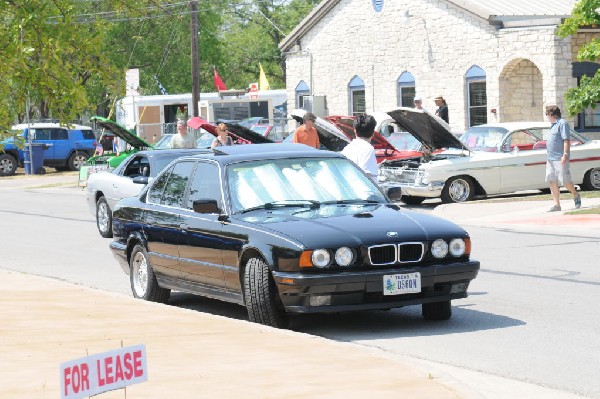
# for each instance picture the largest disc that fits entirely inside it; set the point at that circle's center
(502, 13)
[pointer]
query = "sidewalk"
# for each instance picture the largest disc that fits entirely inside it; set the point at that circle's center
(190, 354)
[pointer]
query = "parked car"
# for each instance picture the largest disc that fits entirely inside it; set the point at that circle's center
(284, 229)
(105, 188)
(483, 162)
(268, 131)
(67, 147)
(330, 136)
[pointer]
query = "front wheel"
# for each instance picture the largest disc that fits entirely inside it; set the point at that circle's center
(591, 180)
(142, 278)
(77, 160)
(8, 165)
(458, 189)
(262, 299)
(410, 200)
(437, 310)
(104, 218)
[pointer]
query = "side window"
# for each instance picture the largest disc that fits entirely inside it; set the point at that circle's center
(59, 134)
(206, 184)
(136, 166)
(155, 192)
(88, 134)
(177, 182)
(40, 134)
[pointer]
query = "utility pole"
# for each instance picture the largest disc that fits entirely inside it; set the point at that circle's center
(195, 62)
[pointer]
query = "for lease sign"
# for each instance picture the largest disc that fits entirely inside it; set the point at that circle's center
(103, 372)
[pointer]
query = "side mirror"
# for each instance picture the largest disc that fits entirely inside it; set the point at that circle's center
(205, 206)
(140, 180)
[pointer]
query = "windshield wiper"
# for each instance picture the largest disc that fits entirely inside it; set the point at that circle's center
(283, 204)
(350, 201)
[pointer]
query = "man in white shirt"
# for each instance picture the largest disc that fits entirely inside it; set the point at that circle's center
(182, 139)
(360, 151)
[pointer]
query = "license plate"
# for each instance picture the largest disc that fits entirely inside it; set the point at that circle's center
(397, 284)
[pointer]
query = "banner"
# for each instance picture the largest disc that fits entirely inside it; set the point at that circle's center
(219, 85)
(263, 83)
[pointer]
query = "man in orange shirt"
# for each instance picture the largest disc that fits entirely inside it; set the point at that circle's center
(307, 134)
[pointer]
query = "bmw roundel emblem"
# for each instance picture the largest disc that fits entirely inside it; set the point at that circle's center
(377, 5)
(392, 234)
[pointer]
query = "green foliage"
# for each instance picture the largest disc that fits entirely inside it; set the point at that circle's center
(588, 93)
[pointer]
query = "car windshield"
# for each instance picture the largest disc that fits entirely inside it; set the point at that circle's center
(298, 182)
(205, 140)
(482, 138)
(404, 141)
(163, 142)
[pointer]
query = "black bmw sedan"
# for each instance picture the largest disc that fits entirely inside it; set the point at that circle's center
(283, 229)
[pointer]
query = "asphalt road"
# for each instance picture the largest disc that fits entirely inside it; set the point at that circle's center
(531, 319)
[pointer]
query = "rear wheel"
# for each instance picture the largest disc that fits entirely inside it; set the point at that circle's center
(262, 298)
(104, 218)
(77, 160)
(142, 278)
(458, 189)
(591, 180)
(437, 310)
(8, 165)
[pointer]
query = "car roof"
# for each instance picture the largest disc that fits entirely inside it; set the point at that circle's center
(517, 125)
(42, 125)
(180, 152)
(246, 152)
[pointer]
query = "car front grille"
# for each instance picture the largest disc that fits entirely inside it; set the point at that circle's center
(388, 254)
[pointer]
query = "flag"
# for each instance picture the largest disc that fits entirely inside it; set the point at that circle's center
(161, 87)
(219, 85)
(263, 83)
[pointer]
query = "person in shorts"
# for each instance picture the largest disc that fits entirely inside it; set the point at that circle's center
(558, 149)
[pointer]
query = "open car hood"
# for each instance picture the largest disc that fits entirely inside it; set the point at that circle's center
(330, 136)
(121, 132)
(430, 130)
(346, 124)
(247, 134)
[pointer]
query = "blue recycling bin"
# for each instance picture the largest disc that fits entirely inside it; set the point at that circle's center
(35, 164)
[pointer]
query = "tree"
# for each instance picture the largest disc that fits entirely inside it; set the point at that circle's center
(585, 14)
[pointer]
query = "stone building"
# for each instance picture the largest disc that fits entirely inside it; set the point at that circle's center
(493, 61)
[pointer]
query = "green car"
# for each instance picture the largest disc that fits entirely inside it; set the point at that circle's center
(108, 160)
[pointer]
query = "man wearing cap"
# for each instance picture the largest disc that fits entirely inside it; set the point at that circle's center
(182, 139)
(418, 101)
(442, 110)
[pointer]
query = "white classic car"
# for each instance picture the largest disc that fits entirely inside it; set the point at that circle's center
(489, 159)
(105, 189)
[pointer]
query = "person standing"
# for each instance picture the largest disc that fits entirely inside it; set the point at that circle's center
(360, 150)
(222, 137)
(442, 110)
(418, 101)
(307, 133)
(182, 139)
(558, 151)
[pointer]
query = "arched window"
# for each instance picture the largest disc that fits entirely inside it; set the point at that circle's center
(476, 96)
(406, 89)
(356, 92)
(302, 91)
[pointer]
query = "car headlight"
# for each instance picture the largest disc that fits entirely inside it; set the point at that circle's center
(457, 247)
(439, 248)
(344, 256)
(320, 258)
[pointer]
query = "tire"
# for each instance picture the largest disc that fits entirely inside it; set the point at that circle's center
(104, 218)
(77, 160)
(8, 165)
(261, 296)
(142, 278)
(458, 189)
(437, 310)
(411, 200)
(591, 180)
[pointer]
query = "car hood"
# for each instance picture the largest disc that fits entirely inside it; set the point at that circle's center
(430, 130)
(121, 132)
(360, 225)
(247, 134)
(346, 125)
(330, 136)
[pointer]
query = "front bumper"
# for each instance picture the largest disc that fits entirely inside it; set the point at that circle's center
(363, 290)
(431, 190)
